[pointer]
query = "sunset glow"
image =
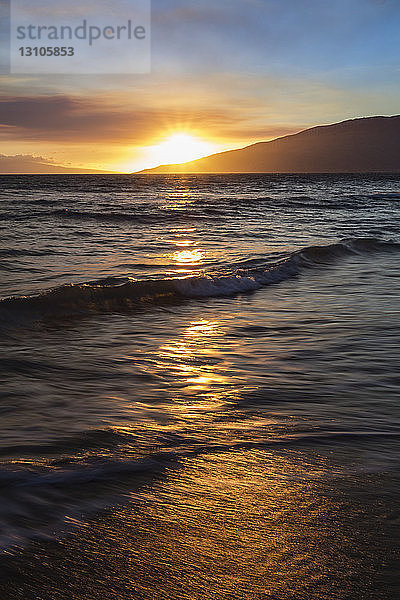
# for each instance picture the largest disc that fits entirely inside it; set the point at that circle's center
(223, 76)
(180, 148)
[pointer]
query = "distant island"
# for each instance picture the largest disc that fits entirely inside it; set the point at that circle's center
(27, 164)
(370, 144)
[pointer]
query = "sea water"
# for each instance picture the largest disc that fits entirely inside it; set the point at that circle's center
(200, 379)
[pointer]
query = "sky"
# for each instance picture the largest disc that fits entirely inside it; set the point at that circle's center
(228, 73)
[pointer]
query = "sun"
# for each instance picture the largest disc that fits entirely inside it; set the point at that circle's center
(180, 148)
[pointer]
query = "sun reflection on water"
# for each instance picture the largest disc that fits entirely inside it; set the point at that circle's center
(184, 243)
(184, 253)
(188, 257)
(180, 196)
(196, 365)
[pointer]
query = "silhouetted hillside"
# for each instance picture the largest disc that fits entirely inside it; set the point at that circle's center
(370, 144)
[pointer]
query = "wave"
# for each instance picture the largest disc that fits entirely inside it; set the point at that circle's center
(386, 196)
(38, 501)
(138, 217)
(44, 201)
(105, 469)
(124, 293)
(16, 252)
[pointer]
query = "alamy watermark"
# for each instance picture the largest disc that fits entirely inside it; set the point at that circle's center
(84, 37)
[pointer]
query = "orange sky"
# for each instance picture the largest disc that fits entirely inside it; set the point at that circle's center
(229, 75)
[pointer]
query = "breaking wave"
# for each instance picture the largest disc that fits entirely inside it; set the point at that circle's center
(122, 293)
(65, 493)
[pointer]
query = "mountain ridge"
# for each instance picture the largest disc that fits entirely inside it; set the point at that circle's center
(364, 144)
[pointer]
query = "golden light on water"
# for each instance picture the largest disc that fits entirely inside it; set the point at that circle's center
(178, 197)
(195, 361)
(184, 243)
(238, 524)
(188, 257)
(202, 327)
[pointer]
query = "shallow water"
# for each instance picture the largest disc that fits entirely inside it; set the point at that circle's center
(212, 359)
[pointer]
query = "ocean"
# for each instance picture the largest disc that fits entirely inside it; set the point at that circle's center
(200, 387)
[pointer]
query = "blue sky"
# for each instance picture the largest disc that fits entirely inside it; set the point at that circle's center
(307, 35)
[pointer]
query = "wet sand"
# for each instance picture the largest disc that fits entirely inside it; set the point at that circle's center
(251, 524)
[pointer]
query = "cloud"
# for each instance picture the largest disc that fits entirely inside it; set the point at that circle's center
(63, 118)
(27, 163)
